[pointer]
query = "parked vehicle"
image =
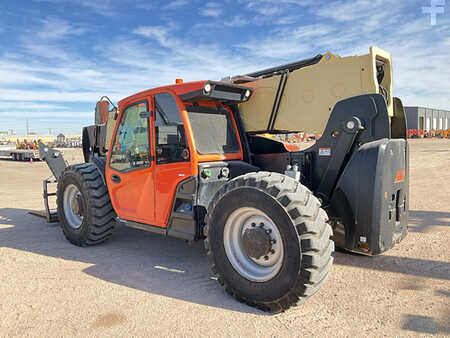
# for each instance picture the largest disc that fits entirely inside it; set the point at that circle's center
(186, 160)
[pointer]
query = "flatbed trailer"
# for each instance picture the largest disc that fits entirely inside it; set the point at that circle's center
(20, 154)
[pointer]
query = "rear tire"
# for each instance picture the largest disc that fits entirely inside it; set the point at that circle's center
(85, 212)
(301, 223)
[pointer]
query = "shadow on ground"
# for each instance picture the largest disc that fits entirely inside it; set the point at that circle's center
(421, 221)
(168, 266)
(404, 265)
(132, 258)
(424, 325)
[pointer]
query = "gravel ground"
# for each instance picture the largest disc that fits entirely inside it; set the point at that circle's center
(140, 283)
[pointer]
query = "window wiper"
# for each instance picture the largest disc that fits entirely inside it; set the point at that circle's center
(161, 113)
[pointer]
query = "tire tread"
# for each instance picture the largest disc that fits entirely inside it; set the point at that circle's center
(314, 235)
(102, 214)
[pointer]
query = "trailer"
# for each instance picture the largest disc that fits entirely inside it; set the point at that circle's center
(21, 154)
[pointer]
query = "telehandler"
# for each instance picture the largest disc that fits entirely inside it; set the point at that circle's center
(187, 160)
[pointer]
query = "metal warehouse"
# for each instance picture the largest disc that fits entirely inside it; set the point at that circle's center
(427, 118)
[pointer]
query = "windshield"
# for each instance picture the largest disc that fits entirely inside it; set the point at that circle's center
(213, 130)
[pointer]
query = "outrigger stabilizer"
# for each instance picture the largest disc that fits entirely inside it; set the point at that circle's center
(55, 161)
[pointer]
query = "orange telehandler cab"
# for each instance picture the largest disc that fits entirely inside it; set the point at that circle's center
(186, 161)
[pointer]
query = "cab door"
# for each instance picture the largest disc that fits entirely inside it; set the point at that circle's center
(130, 168)
(172, 151)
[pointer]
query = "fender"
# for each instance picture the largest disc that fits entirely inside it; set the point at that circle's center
(100, 163)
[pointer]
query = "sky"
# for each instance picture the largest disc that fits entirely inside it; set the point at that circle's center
(58, 57)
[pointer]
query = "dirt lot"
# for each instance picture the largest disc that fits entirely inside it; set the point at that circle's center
(139, 283)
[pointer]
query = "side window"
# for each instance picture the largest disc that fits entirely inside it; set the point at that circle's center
(171, 145)
(131, 143)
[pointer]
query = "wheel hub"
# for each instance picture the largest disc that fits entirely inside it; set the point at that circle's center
(76, 204)
(256, 242)
(73, 206)
(253, 244)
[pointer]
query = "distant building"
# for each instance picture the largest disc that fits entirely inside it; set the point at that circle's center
(60, 139)
(427, 118)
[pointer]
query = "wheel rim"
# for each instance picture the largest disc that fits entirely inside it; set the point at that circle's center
(254, 269)
(73, 206)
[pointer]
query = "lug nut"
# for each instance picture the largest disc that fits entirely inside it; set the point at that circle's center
(261, 225)
(272, 251)
(268, 231)
(266, 258)
(253, 224)
(273, 241)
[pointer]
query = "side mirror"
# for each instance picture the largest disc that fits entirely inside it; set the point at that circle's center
(145, 114)
(101, 112)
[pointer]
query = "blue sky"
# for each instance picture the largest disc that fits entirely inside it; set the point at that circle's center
(58, 57)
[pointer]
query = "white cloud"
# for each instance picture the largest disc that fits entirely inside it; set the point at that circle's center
(348, 11)
(46, 40)
(271, 8)
(267, 9)
(176, 4)
(311, 31)
(287, 20)
(45, 73)
(159, 33)
(11, 76)
(236, 21)
(99, 6)
(55, 96)
(288, 44)
(421, 68)
(47, 114)
(55, 29)
(102, 7)
(369, 13)
(212, 9)
(31, 106)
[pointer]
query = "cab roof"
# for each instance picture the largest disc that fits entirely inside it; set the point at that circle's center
(179, 89)
(224, 92)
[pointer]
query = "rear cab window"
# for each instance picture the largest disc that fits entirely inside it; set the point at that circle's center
(213, 129)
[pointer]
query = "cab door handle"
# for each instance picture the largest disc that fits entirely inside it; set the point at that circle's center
(115, 178)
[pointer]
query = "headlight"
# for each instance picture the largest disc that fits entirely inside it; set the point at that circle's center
(247, 93)
(207, 88)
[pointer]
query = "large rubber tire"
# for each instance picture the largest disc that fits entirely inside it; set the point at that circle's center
(302, 224)
(98, 215)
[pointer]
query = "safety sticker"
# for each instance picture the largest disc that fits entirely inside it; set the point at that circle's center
(324, 151)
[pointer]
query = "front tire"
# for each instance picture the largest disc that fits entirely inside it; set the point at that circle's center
(85, 212)
(285, 263)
